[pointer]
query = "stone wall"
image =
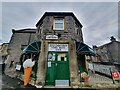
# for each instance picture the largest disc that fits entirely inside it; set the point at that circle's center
(67, 33)
(3, 52)
(73, 65)
(14, 50)
(3, 49)
(113, 51)
(41, 66)
(109, 52)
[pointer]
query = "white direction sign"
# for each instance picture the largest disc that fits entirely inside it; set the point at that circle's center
(58, 47)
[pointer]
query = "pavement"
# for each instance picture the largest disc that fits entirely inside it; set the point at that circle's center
(96, 78)
(13, 83)
(7, 83)
(101, 82)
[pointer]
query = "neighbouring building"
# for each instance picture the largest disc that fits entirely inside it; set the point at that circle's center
(3, 52)
(108, 53)
(59, 48)
(3, 56)
(19, 40)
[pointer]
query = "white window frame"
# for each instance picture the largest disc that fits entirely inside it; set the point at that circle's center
(56, 20)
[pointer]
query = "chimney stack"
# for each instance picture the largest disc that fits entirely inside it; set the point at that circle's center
(112, 39)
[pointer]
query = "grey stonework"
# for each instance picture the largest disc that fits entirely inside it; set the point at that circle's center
(42, 63)
(109, 52)
(3, 52)
(15, 49)
(17, 40)
(68, 33)
(45, 27)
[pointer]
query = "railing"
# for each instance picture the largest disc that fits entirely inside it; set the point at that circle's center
(103, 69)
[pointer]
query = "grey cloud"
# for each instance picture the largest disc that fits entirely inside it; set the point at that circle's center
(0, 22)
(99, 20)
(60, 1)
(101, 23)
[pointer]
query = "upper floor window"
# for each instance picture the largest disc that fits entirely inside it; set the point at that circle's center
(23, 47)
(77, 31)
(40, 29)
(58, 24)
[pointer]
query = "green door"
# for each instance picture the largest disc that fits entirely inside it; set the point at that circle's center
(57, 67)
(62, 68)
(51, 69)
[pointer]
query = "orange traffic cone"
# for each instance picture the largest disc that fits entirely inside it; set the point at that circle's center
(27, 73)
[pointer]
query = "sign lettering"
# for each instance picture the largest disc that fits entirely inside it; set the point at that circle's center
(51, 37)
(58, 47)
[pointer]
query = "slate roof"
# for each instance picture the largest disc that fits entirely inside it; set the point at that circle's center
(107, 44)
(26, 30)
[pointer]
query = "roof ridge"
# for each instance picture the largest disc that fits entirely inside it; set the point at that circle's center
(24, 30)
(107, 44)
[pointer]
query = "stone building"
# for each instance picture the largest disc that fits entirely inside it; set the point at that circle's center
(109, 53)
(67, 29)
(61, 50)
(19, 40)
(70, 27)
(3, 56)
(3, 52)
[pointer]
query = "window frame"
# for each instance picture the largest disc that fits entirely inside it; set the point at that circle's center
(23, 47)
(77, 31)
(58, 22)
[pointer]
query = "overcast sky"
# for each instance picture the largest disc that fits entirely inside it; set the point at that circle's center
(99, 19)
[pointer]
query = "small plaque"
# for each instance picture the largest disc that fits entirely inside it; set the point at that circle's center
(18, 67)
(51, 37)
(49, 64)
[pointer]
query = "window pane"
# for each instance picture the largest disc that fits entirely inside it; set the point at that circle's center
(58, 24)
(59, 19)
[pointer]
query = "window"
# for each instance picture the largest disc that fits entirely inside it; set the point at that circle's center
(58, 24)
(62, 57)
(40, 28)
(76, 29)
(23, 46)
